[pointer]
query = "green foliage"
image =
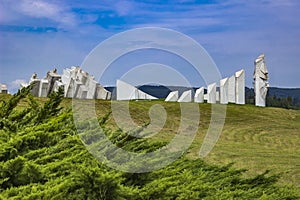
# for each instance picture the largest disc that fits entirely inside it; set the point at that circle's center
(51, 107)
(42, 157)
(281, 102)
(8, 106)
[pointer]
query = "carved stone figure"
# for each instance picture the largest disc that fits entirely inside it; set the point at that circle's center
(260, 81)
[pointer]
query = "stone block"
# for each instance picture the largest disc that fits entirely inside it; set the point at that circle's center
(43, 91)
(199, 95)
(172, 96)
(240, 87)
(224, 91)
(186, 96)
(211, 93)
(231, 89)
(126, 91)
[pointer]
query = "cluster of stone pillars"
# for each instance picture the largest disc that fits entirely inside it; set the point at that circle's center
(75, 82)
(230, 90)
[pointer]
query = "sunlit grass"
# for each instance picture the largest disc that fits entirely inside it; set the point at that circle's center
(253, 138)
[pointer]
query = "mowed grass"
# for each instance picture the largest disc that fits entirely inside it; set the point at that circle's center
(253, 138)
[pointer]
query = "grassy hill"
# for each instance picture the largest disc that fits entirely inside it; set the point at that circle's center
(41, 155)
(253, 138)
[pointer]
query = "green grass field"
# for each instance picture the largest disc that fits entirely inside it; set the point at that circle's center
(253, 138)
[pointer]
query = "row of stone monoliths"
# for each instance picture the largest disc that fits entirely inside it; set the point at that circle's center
(75, 82)
(231, 90)
(79, 84)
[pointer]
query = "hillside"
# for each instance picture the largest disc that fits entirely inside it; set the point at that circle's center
(253, 138)
(42, 156)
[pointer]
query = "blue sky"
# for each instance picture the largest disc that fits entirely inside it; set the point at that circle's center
(36, 35)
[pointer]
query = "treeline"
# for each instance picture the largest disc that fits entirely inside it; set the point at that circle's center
(43, 157)
(288, 102)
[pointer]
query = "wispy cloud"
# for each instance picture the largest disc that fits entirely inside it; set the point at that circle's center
(15, 85)
(38, 9)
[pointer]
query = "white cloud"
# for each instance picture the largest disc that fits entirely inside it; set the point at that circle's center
(40, 9)
(16, 84)
(123, 7)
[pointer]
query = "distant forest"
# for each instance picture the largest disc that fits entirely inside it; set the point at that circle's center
(277, 97)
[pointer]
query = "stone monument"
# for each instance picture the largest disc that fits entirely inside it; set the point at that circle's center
(35, 89)
(126, 91)
(52, 76)
(240, 87)
(260, 81)
(224, 91)
(212, 93)
(75, 82)
(186, 96)
(231, 89)
(199, 95)
(172, 96)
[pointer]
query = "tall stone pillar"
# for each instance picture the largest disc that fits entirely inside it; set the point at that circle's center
(260, 81)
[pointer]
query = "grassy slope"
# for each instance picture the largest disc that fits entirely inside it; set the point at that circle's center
(253, 138)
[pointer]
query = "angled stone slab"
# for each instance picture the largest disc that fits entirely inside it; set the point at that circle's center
(35, 89)
(77, 85)
(82, 76)
(231, 89)
(91, 86)
(199, 95)
(70, 89)
(212, 93)
(224, 91)
(67, 81)
(126, 91)
(143, 95)
(43, 91)
(102, 93)
(240, 87)
(82, 92)
(52, 76)
(66, 76)
(186, 96)
(172, 96)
